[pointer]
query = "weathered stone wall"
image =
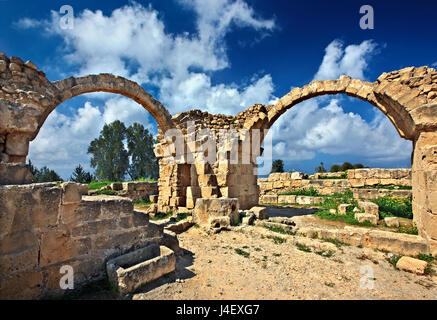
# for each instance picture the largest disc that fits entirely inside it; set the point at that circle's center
(374, 193)
(381, 177)
(134, 190)
(44, 227)
(278, 183)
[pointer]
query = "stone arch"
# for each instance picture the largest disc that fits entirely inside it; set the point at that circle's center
(72, 87)
(408, 97)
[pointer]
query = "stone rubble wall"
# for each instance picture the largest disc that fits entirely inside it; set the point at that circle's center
(44, 227)
(378, 193)
(278, 183)
(134, 190)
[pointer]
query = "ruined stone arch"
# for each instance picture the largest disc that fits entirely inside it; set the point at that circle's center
(72, 87)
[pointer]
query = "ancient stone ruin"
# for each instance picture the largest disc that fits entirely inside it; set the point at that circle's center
(36, 221)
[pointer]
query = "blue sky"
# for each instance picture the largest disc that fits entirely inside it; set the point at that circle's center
(223, 56)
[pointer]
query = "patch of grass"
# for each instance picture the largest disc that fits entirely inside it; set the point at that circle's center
(161, 216)
(99, 184)
(242, 253)
(278, 240)
(143, 202)
(347, 218)
(302, 192)
(181, 216)
(303, 247)
(257, 249)
(393, 260)
(394, 207)
(324, 253)
(425, 257)
(107, 192)
(277, 254)
(429, 270)
(336, 242)
(278, 229)
(330, 284)
(408, 230)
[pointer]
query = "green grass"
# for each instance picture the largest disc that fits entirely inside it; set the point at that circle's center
(408, 230)
(330, 284)
(302, 192)
(278, 240)
(242, 253)
(107, 192)
(303, 247)
(342, 176)
(394, 260)
(161, 216)
(278, 229)
(426, 257)
(142, 202)
(181, 216)
(395, 207)
(347, 218)
(336, 242)
(324, 253)
(100, 184)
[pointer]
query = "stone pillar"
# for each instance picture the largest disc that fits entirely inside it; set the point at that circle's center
(424, 180)
(14, 148)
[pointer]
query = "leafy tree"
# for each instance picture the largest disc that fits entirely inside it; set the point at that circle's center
(321, 168)
(277, 166)
(46, 175)
(335, 168)
(358, 166)
(81, 176)
(140, 149)
(109, 156)
(346, 166)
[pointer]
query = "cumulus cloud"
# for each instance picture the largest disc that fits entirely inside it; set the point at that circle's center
(312, 127)
(63, 140)
(320, 125)
(132, 42)
(351, 61)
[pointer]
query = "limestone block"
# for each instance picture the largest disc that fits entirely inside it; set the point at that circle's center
(249, 219)
(363, 217)
(342, 208)
(391, 221)
(269, 199)
(23, 285)
(297, 175)
(117, 186)
(412, 265)
(288, 199)
(369, 207)
(70, 192)
(14, 173)
(220, 207)
(131, 270)
(17, 144)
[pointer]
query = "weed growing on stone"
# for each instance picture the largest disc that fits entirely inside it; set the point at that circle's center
(242, 253)
(278, 240)
(303, 247)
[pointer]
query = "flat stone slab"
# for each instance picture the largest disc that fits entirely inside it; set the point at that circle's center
(412, 265)
(129, 271)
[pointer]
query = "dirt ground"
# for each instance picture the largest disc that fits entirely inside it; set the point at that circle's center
(211, 268)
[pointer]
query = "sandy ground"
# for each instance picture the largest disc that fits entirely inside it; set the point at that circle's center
(212, 269)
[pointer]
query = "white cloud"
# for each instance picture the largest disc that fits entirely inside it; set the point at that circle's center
(351, 61)
(309, 128)
(320, 125)
(132, 42)
(63, 141)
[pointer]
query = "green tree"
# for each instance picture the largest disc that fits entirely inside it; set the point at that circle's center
(109, 156)
(321, 168)
(358, 166)
(81, 176)
(346, 166)
(277, 166)
(46, 175)
(140, 149)
(334, 168)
